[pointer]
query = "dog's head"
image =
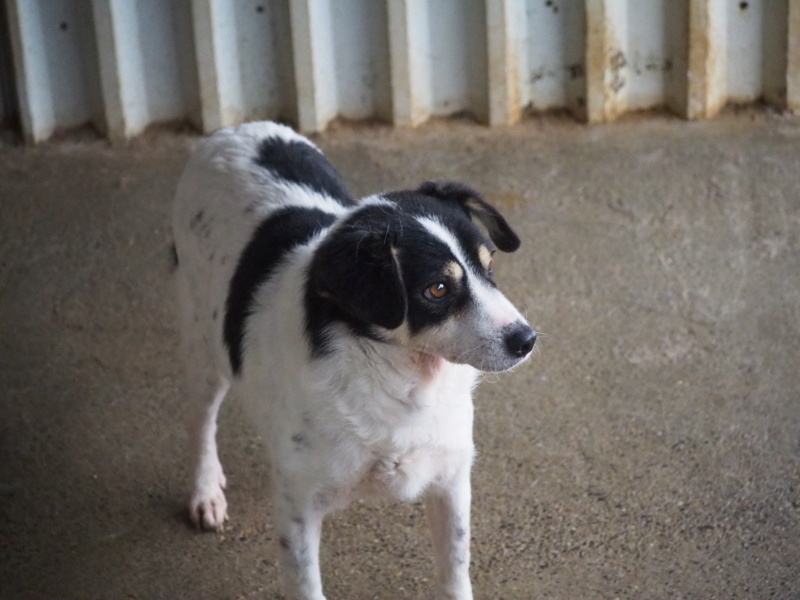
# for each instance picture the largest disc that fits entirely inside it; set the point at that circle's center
(412, 268)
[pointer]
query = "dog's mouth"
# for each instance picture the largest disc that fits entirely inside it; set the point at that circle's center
(490, 362)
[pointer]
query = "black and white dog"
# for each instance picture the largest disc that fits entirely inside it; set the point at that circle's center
(353, 331)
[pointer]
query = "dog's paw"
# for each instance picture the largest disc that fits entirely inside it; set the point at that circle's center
(208, 508)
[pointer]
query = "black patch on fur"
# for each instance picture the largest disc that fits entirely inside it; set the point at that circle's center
(373, 270)
(474, 204)
(301, 441)
(354, 279)
(303, 164)
(321, 313)
(282, 231)
(201, 225)
(453, 217)
(422, 257)
(196, 220)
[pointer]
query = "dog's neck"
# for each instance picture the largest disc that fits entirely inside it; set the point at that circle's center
(405, 366)
(399, 372)
(428, 365)
(383, 388)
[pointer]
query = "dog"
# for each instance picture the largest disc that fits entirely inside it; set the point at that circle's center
(353, 331)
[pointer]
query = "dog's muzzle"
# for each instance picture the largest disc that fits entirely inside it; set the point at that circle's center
(519, 339)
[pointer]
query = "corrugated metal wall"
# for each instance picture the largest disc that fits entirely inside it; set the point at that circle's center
(122, 65)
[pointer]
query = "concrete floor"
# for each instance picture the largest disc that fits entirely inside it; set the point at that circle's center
(652, 449)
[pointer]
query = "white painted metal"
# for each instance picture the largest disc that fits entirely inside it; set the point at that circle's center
(636, 56)
(217, 68)
(126, 64)
(314, 68)
(55, 65)
(756, 49)
(707, 61)
(655, 54)
(8, 96)
(410, 68)
(146, 63)
(793, 59)
(243, 55)
(361, 56)
(120, 72)
(458, 57)
(555, 69)
(603, 76)
(264, 46)
(504, 40)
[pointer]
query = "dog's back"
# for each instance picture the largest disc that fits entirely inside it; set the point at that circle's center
(247, 196)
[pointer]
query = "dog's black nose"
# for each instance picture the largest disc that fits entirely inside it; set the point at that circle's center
(520, 340)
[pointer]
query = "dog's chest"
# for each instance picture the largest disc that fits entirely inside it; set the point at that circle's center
(404, 476)
(406, 439)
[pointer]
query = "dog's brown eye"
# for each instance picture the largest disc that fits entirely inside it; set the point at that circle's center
(437, 291)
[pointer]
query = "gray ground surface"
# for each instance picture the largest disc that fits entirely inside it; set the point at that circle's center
(651, 450)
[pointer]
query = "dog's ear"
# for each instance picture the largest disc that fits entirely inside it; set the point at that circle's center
(475, 205)
(358, 270)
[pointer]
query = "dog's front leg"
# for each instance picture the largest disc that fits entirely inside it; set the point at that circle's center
(447, 511)
(299, 526)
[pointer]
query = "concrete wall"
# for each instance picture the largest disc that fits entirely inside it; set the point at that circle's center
(122, 65)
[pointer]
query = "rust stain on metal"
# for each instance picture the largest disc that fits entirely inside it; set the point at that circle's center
(505, 85)
(616, 64)
(606, 65)
(615, 76)
(595, 61)
(793, 62)
(706, 84)
(514, 93)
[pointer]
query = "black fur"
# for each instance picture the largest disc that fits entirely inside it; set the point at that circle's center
(421, 270)
(278, 234)
(355, 267)
(322, 312)
(455, 218)
(355, 279)
(373, 270)
(303, 164)
(475, 205)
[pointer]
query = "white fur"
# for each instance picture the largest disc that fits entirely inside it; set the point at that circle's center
(369, 418)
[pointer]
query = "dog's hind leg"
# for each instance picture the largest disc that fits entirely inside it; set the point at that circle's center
(207, 505)
(205, 389)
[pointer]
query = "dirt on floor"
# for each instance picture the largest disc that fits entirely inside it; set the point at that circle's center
(650, 450)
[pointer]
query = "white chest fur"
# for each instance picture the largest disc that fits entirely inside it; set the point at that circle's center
(405, 419)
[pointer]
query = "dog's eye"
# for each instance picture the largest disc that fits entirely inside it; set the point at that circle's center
(490, 268)
(437, 291)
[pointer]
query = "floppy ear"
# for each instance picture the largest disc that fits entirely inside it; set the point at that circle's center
(476, 206)
(356, 268)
